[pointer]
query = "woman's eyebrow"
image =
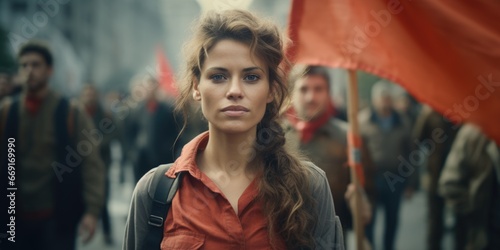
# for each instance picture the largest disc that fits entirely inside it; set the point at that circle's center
(252, 69)
(217, 69)
(226, 70)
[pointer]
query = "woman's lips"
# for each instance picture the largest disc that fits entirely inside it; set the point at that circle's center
(234, 110)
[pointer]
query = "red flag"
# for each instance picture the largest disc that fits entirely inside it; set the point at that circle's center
(165, 74)
(445, 53)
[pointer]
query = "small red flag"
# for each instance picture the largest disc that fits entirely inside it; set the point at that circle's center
(165, 74)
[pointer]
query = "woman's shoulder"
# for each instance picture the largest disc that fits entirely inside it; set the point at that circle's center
(315, 171)
(328, 229)
(317, 177)
(142, 189)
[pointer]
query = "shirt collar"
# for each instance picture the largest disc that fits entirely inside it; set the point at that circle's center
(187, 159)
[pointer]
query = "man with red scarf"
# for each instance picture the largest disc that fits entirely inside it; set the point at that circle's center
(313, 128)
(58, 173)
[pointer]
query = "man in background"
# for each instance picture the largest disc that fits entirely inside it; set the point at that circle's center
(387, 135)
(312, 127)
(58, 173)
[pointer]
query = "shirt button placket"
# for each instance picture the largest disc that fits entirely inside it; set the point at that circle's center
(234, 227)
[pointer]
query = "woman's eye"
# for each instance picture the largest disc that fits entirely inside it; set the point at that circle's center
(252, 78)
(218, 78)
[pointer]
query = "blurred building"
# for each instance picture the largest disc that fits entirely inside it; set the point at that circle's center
(108, 41)
(105, 41)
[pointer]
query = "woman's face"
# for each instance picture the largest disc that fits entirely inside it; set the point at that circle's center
(233, 88)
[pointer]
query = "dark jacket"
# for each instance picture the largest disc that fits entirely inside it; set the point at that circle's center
(154, 136)
(431, 128)
(389, 149)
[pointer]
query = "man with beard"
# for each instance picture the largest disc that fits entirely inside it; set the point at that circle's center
(58, 174)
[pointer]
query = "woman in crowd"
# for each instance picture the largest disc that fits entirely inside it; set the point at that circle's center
(242, 189)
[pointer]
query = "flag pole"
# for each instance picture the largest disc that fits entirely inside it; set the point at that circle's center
(355, 156)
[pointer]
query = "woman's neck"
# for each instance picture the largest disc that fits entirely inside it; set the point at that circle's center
(230, 153)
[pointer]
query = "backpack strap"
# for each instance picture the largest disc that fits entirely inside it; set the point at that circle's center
(163, 190)
(61, 128)
(68, 195)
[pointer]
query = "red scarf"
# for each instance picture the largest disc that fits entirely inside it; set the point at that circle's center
(33, 104)
(307, 129)
(152, 105)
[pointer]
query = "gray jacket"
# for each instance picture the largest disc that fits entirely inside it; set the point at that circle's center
(327, 234)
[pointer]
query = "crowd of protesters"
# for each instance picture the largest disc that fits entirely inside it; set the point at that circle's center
(63, 150)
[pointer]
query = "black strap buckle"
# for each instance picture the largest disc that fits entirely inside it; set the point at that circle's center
(156, 221)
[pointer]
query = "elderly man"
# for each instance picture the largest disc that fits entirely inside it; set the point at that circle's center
(387, 135)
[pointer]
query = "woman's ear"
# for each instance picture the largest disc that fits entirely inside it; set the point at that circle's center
(196, 91)
(270, 96)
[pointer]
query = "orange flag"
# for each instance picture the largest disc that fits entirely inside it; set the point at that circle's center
(445, 53)
(165, 74)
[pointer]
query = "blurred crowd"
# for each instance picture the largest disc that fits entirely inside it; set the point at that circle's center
(405, 147)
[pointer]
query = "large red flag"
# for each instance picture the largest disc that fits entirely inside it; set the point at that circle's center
(445, 53)
(165, 74)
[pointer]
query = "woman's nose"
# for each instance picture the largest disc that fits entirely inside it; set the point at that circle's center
(235, 91)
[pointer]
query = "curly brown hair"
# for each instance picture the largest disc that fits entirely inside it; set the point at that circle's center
(284, 187)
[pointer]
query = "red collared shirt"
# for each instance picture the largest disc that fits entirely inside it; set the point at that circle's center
(201, 217)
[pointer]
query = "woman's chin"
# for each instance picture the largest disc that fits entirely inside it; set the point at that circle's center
(235, 128)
